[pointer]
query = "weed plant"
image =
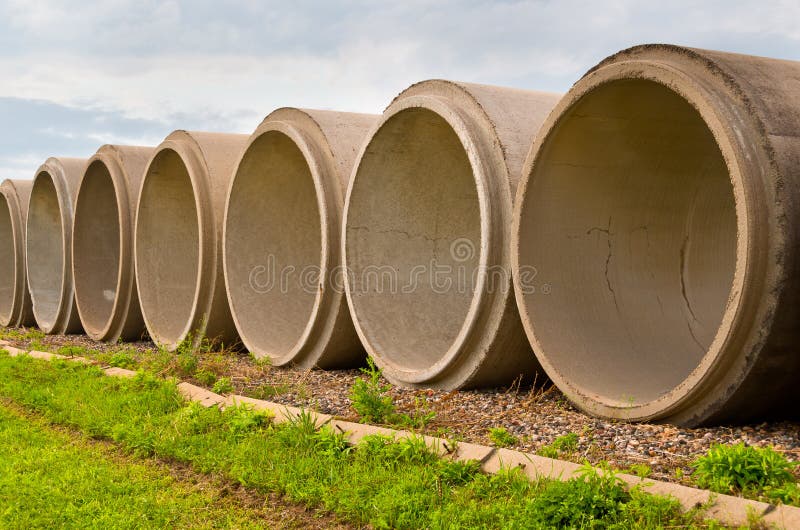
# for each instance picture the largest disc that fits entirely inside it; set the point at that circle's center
(500, 437)
(751, 471)
(564, 445)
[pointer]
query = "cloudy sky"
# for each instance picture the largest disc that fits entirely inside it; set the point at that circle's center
(75, 75)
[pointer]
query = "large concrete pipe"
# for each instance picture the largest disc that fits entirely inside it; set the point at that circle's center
(49, 244)
(427, 235)
(102, 243)
(15, 299)
(661, 203)
(282, 242)
(178, 238)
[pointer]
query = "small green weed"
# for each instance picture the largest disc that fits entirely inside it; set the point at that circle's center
(223, 386)
(186, 364)
(38, 345)
(72, 351)
(298, 432)
(206, 377)
(329, 443)
(262, 361)
(406, 450)
(752, 471)
(419, 418)
(196, 419)
(122, 359)
(594, 495)
(500, 437)
(244, 419)
(368, 396)
(562, 445)
(640, 470)
(458, 473)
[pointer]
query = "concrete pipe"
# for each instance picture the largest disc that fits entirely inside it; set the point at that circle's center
(15, 299)
(178, 238)
(661, 203)
(49, 244)
(427, 235)
(102, 243)
(282, 241)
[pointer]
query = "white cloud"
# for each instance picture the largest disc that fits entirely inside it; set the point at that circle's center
(223, 65)
(22, 166)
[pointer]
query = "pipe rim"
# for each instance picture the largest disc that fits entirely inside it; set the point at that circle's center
(470, 141)
(182, 145)
(59, 320)
(112, 326)
(714, 362)
(14, 313)
(319, 169)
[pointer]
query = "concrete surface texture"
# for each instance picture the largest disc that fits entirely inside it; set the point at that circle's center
(102, 243)
(660, 201)
(49, 244)
(282, 238)
(15, 299)
(178, 238)
(427, 235)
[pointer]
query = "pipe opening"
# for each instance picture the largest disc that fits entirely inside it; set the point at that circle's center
(168, 248)
(96, 247)
(45, 243)
(631, 218)
(8, 263)
(273, 245)
(413, 239)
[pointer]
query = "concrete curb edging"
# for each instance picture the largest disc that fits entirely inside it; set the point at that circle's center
(724, 508)
(113, 371)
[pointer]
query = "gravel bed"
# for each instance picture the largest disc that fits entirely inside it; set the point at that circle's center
(534, 415)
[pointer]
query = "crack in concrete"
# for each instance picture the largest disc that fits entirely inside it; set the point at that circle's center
(684, 267)
(608, 233)
(408, 235)
(696, 340)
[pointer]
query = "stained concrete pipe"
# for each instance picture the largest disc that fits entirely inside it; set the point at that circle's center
(282, 239)
(427, 235)
(102, 243)
(49, 244)
(661, 202)
(15, 299)
(178, 238)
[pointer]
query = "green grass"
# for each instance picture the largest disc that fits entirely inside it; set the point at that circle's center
(49, 479)
(369, 398)
(760, 473)
(500, 437)
(223, 385)
(123, 359)
(379, 482)
(269, 390)
(564, 445)
(21, 334)
(640, 470)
